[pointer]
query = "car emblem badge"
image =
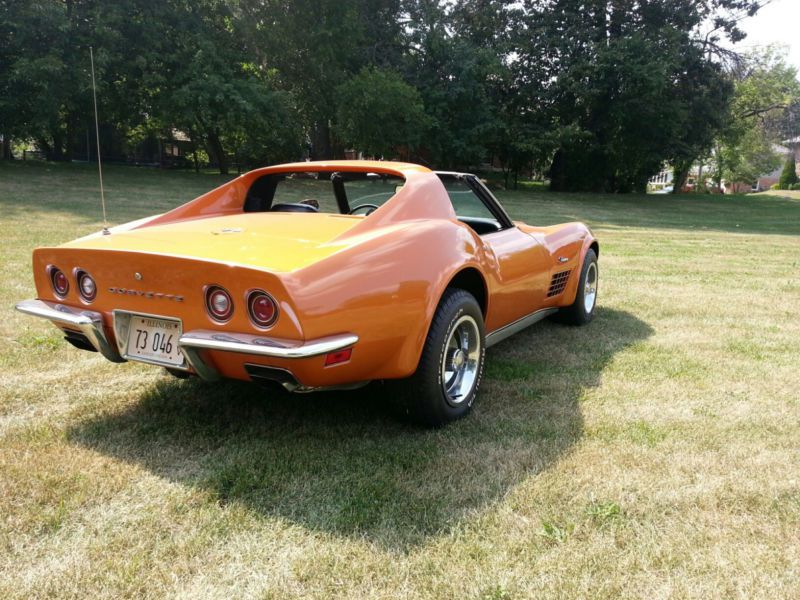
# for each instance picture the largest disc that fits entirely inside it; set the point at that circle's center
(137, 276)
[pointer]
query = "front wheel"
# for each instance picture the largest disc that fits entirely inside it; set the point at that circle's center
(581, 311)
(450, 369)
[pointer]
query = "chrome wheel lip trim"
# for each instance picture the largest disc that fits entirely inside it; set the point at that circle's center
(463, 342)
(590, 288)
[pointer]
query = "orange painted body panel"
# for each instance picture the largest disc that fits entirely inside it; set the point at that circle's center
(378, 277)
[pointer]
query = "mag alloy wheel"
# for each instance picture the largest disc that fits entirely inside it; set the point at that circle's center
(461, 360)
(446, 382)
(590, 288)
(581, 311)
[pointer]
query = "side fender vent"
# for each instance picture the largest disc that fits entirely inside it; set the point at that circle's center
(558, 283)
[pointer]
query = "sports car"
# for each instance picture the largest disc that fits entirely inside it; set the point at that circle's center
(322, 275)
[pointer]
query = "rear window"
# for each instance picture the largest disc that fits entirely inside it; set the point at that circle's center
(307, 188)
(323, 191)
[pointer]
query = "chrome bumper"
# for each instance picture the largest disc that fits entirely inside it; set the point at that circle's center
(87, 322)
(193, 342)
(90, 324)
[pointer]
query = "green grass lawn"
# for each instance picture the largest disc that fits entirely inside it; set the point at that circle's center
(654, 453)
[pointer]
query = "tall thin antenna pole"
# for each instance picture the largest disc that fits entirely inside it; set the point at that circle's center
(97, 135)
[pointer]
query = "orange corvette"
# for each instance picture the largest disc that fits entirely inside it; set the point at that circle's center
(321, 275)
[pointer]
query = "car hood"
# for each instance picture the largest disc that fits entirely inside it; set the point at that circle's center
(270, 241)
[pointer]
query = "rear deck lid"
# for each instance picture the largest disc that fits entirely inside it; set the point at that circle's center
(271, 241)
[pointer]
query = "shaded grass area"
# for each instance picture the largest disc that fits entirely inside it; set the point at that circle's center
(323, 460)
(653, 453)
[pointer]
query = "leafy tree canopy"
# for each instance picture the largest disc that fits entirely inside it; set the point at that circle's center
(599, 93)
(377, 111)
(765, 89)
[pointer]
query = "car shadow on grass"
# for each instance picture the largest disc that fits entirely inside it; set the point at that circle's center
(343, 464)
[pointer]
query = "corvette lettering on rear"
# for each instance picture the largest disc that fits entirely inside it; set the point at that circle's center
(141, 294)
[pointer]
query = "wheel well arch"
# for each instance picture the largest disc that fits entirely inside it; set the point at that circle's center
(471, 280)
(596, 247)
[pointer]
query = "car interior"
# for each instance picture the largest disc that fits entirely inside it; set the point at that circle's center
(362, 193)
(324, 192)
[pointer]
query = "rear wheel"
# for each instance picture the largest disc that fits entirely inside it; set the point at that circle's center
(581, 311)
(450, 369)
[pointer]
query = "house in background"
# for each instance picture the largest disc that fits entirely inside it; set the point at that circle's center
(662, 182)
(171, 150)
(166, 149)
(658, 183)
(788, 148)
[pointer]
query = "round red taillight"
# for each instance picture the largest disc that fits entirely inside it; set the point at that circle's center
(87, 288)
(59, 281)
(262, 308)
(219, 303)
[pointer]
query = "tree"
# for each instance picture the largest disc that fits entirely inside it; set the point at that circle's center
(766, 88)
(199, 78)
(750, 156)
(705, 94)
(377, 111)
(789, 174)
(601, 91)
(461, 78)
(43, 93)
(625, 85)
(316, 45)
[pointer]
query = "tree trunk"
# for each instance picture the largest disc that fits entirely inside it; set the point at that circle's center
(558, 172)
(6, 152)
(69, 143)
(321, 142)
(640, 184)
(194, 152)
(44, 146)
(699, 178)
(215, 145)
(680, 174)
(57, 147)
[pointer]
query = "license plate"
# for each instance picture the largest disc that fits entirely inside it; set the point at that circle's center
(154, 340)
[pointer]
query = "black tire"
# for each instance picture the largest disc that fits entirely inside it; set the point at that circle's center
(423, 397)
(576, 313)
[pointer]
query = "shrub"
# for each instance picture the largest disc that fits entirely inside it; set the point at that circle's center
(788, 175)
(775, 186)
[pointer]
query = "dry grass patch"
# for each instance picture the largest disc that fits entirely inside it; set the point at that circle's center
(652, 454)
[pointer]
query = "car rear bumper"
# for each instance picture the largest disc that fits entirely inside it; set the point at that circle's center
(193, 344)
(85, 322)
